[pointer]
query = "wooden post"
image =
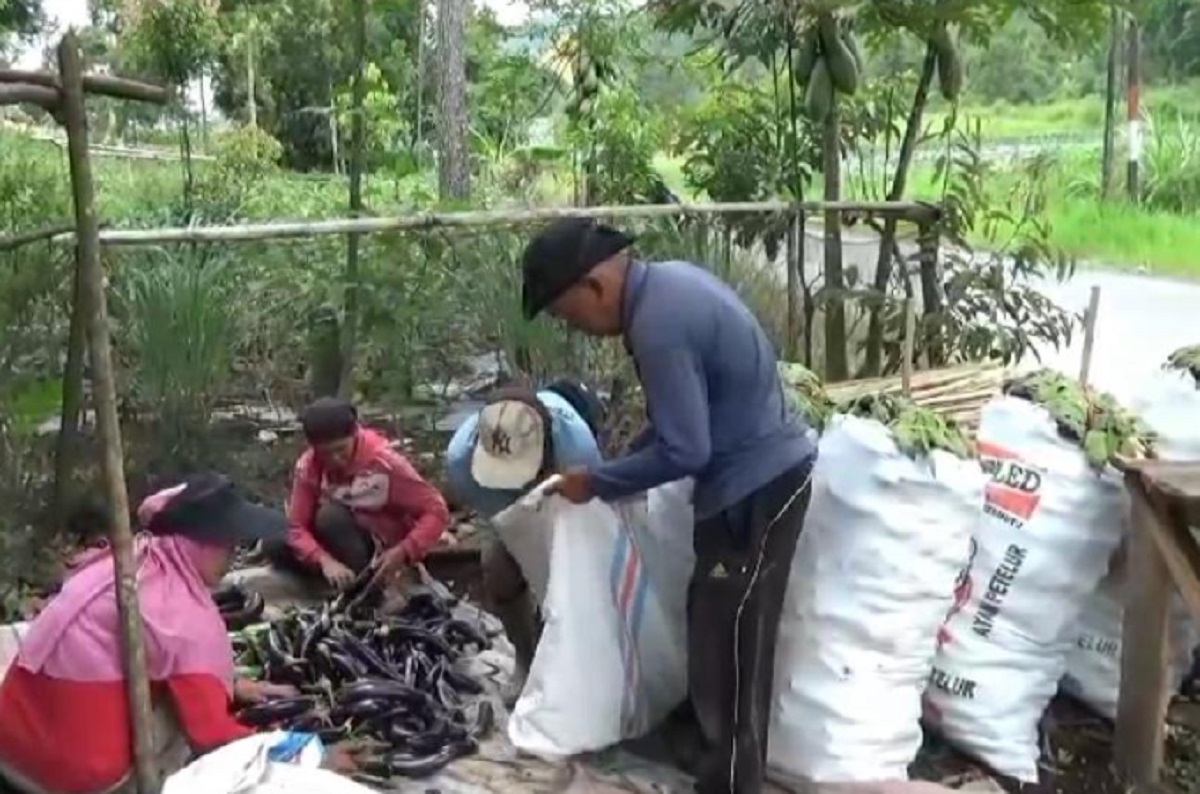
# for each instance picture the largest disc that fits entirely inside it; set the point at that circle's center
(906, 359)
(1142, 705)
(837, 367)
(91, 276)
(1089, 335)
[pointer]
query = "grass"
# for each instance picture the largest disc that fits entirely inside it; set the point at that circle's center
(1076, 116)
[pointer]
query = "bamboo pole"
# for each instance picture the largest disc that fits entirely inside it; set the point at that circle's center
(1089, 335)
(91, 275)
(108, 85)
(22, 94)
(477, 219)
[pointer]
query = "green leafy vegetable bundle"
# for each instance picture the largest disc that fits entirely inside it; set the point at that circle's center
(1090, 418)
(807, 394)
(1186, 359)
(918, 430)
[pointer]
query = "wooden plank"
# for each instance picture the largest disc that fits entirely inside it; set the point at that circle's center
(1142, 704)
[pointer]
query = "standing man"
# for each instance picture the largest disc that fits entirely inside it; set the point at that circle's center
(355, 502)
(517, 440)
(716, 412)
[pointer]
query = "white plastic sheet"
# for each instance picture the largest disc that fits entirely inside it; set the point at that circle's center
(1170, 404)
(885, 538)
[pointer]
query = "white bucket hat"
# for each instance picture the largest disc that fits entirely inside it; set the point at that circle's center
(510, 446)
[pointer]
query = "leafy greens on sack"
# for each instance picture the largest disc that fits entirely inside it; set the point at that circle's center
(1186, 359)
(1090, 418)
(807, 394)
(917, 430)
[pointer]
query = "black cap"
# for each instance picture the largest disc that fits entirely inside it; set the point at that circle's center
(209, 508)
(562, 254)
(586, 402)
(329, 419)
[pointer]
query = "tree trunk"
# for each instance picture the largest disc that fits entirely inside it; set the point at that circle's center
(836, 368)
(873, 365)
(251, 100)
(1110, 105)
(454, 167)
(357, 148)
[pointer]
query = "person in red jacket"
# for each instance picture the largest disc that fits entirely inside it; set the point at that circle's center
(356, 502)
(66, 726)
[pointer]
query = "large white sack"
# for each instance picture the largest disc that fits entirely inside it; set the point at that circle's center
(242, 767)
(872, 580)
(1169, 403)
(1050, 525)
(1094, 663)
(612, 583)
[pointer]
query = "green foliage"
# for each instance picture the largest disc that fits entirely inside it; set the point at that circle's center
(807, 394)
(1186, 359)
(1092, 419)
(992, 311)
(175, 39)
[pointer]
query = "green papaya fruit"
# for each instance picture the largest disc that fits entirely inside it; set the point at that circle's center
(806, 57)
(818, 99)
(842, 68)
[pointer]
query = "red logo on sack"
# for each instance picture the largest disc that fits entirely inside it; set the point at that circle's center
(1014, 490)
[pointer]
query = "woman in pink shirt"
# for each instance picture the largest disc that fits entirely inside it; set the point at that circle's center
(355, 502)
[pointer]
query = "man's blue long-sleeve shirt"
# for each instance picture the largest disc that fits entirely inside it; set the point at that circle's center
(714, 399)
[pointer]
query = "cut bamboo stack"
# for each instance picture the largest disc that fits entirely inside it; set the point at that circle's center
(956, 392)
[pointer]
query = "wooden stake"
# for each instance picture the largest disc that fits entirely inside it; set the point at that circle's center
(91, 276)
(1089, 335)
(906, 359)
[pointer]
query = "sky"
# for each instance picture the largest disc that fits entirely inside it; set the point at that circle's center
(65, 13)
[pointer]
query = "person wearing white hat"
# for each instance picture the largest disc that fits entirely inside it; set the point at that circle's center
(520, 437)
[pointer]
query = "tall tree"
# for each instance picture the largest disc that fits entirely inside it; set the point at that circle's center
(454, 167)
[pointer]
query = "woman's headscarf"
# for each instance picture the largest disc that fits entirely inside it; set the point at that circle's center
(77, 636)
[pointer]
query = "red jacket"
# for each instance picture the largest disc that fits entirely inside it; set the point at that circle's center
(383, 490)
(76, 737)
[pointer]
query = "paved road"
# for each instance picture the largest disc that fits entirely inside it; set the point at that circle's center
(1141, 320)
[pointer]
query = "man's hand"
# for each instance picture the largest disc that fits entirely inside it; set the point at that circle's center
(341, 758)
(575, 485)
(338, 575)
(248, 691)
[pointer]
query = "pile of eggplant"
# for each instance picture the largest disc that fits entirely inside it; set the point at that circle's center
(395, 681)
(239, 608)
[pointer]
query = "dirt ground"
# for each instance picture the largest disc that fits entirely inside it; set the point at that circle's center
(1077, 745)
